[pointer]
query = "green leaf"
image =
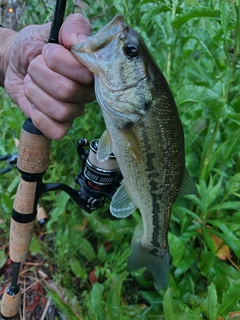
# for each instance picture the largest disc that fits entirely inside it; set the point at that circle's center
(211, 302)
(151, 296)
(154, 8)
(120, 5)
(194, 12)
(177, 249)
(207, 44)
(97, 301)
(168, 305)
(102, 254)
(86, 249)
(7, 202)
(233, 205)
(227, 271)
(204, 95)
(114, 296)
(230, 299)
(77, 269)
(172, 310)
(225, 16)
(3, 258)
(227, 235)
(13, 185)
(101, 226)
(35, 246)
(206, 263)
(65, 300)
(233, 222)
(208, 239)
(235, 117)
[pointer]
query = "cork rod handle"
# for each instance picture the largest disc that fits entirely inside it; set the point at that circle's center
(33, 157)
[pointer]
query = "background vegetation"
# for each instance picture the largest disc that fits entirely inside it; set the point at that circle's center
(78, 263)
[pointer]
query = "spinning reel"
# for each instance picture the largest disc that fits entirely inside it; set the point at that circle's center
(97, 181)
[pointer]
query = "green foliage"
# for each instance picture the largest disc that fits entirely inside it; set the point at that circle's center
(197, 45)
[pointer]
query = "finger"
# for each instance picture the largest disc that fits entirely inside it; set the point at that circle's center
(57, 110)
(73, 26)
(59, 86)
(24, 104)
(61, 60)
(48, 126)
(28, 45)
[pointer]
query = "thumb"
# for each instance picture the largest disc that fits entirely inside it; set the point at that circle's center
(74, 29)
(44, 31)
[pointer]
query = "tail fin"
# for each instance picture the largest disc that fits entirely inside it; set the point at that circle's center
(159, 266)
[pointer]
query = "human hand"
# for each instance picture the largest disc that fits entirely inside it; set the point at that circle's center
(45, 80)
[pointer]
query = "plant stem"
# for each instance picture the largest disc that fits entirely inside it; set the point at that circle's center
(204, 172)
(235, 59)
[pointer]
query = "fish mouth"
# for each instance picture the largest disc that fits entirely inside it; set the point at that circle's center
(84, 51)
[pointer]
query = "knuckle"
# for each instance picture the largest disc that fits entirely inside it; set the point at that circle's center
(34, 64)
(65, 89)
(63, 114)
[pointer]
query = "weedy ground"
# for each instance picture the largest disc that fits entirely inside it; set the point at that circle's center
(77, 264)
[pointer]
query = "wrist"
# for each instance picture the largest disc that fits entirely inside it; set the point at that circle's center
(7, 37)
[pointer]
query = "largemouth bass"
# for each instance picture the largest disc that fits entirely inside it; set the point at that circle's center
(144, 132)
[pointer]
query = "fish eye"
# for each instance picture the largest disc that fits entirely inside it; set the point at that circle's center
(131, 50)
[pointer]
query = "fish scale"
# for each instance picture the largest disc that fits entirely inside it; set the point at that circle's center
(145, 133)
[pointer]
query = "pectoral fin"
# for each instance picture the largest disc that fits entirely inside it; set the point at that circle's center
(122, 205)
(132, 143)
(188, 185)
(104, 147)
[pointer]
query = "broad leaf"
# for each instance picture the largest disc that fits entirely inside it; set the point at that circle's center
(230, 299)
(211, 302)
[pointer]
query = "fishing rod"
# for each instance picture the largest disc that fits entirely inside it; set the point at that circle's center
(11, 163)
(32, 163)
(97, 181)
